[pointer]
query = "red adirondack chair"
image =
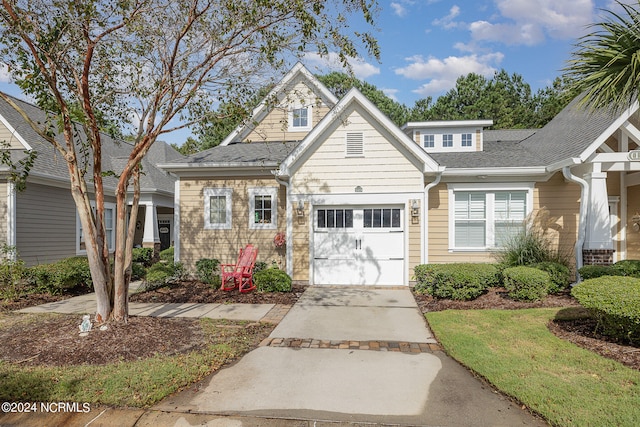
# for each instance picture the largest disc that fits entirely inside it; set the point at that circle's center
(240, 274)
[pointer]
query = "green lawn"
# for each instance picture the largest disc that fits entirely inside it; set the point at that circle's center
(140, 383)
(514, 350)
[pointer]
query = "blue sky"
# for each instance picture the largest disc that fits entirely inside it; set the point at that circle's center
(427, 44)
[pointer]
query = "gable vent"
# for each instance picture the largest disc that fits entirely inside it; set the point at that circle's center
(355, 144)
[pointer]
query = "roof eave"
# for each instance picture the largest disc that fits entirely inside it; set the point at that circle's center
(503, 171)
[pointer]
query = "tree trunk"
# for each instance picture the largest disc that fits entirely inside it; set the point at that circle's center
(124, 245)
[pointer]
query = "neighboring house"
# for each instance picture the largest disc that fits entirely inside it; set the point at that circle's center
(41, 222)
(362, 201)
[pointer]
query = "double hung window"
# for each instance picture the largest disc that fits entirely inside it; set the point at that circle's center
(487, 219)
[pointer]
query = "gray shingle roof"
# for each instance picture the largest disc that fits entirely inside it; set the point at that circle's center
(568, 135)
(50, 163)
(243, 152)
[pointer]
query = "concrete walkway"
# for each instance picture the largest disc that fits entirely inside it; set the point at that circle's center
(340, 356)
(86, 304)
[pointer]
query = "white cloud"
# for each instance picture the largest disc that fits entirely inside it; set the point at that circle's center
(361, 68)
(398, 9)
(443, 73)
(527, 34)
(529, 22)
(448, 21)
(391, 93)
(5, 77)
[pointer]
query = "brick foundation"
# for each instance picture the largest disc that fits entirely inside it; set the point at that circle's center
(597, 256)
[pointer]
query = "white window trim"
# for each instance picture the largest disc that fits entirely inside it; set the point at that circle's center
(489, 207)
(433, 140)
(452, 140)
(462, 135)
(209, 192)
(111, 243)
(263, 191)
(293, 128)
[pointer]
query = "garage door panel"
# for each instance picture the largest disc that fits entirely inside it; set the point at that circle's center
(334, 245)
(383, 245)
(359, 246)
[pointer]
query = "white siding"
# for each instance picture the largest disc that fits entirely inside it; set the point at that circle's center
(381, 169)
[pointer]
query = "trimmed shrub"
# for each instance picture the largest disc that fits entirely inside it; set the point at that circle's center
(137, 271)
(627, 267)
(161, 273)
(455, 281)
(12, 274)
(272, 280)
(143, 256)
(64, 274)
(593, 271)
(615, 303)
(560, 275)
(259, 266)
(167, 255)
(208, 271)
(526, 283)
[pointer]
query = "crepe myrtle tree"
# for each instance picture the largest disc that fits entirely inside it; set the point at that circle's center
(149, 67)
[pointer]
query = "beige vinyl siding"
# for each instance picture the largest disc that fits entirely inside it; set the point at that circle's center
(301, 244)
(196, 242)
(3, 212)
(46, 224)
(555, 210)
(439, 232)
(557, 205)
(382, 168)
(633, 237)
(6, 137)
(275, 126)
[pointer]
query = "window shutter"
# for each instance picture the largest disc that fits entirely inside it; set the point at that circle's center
(355, 144)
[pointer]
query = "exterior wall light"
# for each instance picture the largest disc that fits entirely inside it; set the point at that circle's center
(415, 208)
(300, 208)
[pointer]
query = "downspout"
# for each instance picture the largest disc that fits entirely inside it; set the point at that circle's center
(289, 233)
(424, 230)
(582, 227)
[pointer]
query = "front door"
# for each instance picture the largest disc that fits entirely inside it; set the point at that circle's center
(164, 230)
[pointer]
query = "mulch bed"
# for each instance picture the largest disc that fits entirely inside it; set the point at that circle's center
(54, 340)
(580, 331)
(197, 292)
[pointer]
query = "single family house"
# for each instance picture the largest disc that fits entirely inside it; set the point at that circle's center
(41, 222)
(360, 201)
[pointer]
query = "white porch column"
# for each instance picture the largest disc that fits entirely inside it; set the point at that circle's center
(598, 234)
(151, 235)
(11, 218)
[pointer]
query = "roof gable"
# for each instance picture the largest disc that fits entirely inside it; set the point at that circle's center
(299, 73)
(353, 100)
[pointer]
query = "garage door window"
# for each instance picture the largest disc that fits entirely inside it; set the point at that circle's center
(381, 218)
(335, 218)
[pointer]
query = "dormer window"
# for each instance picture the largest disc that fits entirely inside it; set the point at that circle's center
(300, 119)
(466, 140)
(429, 141)
(447, 140)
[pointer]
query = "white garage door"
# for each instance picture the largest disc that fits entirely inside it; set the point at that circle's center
(358, 246)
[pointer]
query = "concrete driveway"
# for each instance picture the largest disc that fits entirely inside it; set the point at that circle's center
(353, 354)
